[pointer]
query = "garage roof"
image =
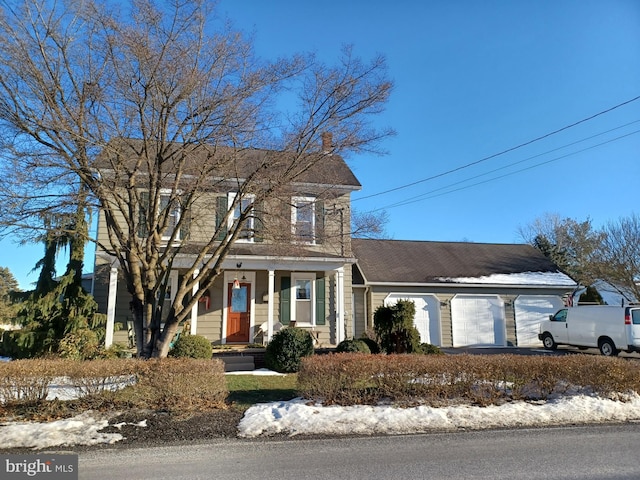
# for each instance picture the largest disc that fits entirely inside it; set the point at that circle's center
(406, 261)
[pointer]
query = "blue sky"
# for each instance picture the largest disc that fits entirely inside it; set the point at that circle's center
(473, 79)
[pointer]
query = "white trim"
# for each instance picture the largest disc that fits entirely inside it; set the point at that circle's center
(229, 277)
(311, 276)
(340, 323)
(270, 305)
(194, 309)
(111, 306)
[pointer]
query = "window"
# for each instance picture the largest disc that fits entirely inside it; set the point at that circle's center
(303, 218)
(303, 298)
(561, 316)
(173, 215)
(167, 206)
(248, 230)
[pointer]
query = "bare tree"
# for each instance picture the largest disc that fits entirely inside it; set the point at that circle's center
(571, 245)
(143, 109)
(369, 224)
(619, 255)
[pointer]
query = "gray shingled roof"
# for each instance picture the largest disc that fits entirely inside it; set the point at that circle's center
(404, 261)
(230, 163)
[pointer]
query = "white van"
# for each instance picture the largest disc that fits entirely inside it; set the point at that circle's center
(608, 328)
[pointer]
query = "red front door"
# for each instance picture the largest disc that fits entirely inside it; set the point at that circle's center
(238, 313)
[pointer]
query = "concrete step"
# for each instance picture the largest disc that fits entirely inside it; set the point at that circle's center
(238, 363)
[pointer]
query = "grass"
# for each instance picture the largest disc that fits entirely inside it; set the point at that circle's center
(247, 390)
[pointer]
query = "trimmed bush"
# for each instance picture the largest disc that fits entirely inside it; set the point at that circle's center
(287, 348)
(180, 385)
(429, 349)
(192, 346)
(374, 347)
(394, 328)
(353, 345)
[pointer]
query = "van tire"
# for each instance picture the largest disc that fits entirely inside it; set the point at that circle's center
(548, 342)
(607, 347)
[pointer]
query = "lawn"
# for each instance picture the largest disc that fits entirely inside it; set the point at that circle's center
(247, 390)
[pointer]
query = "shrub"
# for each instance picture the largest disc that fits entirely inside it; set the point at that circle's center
(429, 349)
(353, 345)
(287, 348)
(192, 346)
(370, 338)
(437, 380)
(83, 344)
(394, 327)
(180, 385)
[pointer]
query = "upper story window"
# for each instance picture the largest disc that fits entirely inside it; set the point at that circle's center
(169, 206)
(247, 234)
(303, 219)
(173, 211)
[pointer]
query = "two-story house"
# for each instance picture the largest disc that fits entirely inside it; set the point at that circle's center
(294, 263)
(291, 263)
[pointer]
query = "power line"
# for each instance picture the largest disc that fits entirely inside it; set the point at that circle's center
(401, 187)
(428, 195)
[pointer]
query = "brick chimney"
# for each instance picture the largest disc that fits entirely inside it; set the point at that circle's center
(327, 142)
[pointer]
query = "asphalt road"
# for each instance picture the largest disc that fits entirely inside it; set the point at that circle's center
(604, 452)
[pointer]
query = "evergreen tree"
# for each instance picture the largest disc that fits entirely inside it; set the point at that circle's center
(59, 317)
(8, 285)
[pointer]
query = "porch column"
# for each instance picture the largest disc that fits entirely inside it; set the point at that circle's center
(340, 335)
(270, 296)
(194, 309)
(111, 306)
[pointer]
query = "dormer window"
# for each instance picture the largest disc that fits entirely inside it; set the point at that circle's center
(303, 219)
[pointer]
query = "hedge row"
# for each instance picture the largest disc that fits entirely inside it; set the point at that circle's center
(171, 384)
(352, 378)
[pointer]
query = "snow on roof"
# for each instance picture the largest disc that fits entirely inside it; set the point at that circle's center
(524, 278)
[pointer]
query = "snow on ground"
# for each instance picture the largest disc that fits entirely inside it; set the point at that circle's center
(298, 417)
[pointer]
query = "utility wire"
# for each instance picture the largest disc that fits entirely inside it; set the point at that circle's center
(521, 161)
(428, 195)
(462, 167)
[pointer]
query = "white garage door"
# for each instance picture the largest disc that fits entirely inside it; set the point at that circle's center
(427, 318)
(477, 320)
(530, 311)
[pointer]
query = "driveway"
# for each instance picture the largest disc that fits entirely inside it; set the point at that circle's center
(528, 351)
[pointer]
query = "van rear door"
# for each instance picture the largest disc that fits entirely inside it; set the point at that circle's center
(632, 324)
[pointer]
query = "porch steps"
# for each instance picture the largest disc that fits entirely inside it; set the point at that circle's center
(237, 363)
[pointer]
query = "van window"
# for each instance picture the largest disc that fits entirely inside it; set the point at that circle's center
(635, 316)
(561, 316)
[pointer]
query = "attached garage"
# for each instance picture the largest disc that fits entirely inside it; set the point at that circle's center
(478, 320)
(466, 294)
(427, 318)
(530, 310)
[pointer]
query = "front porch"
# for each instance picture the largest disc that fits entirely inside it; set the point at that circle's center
(251, 300)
